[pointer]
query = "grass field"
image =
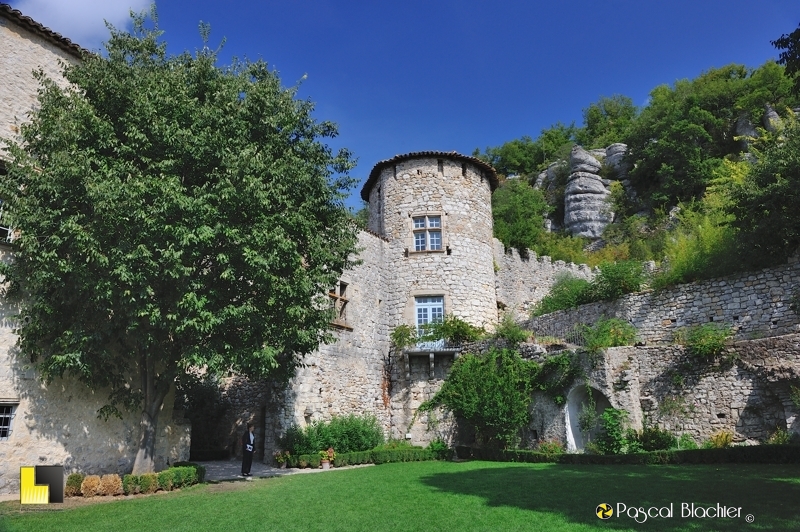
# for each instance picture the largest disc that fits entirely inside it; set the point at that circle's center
(431, 496)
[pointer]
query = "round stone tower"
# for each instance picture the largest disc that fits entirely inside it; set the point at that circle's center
(435, 210)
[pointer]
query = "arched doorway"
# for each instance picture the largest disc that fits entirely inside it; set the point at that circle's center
(578, 402)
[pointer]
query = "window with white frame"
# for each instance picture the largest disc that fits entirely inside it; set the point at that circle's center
(6, 418)
(6, 232)
(427, 233)
(428, 309)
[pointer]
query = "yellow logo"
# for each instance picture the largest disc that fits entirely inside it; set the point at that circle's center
(604, 511)
(41, 484)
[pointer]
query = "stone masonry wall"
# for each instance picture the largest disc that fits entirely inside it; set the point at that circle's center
(463, 270)
(57, 424)
(348, 376)
(23, 52)
(523, 282)
(756, 304)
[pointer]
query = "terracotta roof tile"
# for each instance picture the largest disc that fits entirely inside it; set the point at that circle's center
(55, 38)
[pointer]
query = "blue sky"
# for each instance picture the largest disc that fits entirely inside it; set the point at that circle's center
(454, 75)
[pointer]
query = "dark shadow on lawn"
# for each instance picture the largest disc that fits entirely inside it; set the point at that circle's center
(575, 491)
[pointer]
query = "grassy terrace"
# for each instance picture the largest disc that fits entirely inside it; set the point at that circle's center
(429, 496)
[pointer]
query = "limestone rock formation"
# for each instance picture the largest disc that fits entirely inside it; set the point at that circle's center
(587, 211)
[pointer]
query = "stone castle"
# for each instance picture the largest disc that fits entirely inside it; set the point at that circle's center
(428, 251)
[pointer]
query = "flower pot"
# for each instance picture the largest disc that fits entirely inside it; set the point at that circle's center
(282, 465)
(326, 464)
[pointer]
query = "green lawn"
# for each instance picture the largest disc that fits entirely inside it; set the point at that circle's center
(429, 496)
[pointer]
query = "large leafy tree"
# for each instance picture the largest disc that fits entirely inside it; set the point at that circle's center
(172, 214)
(764, 206)
(790, 56)
(680, 139)
(606, 121)
(519, 211)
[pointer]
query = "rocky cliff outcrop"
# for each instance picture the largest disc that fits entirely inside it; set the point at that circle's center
(587, 210)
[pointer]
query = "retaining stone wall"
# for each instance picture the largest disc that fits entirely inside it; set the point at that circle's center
(755, 304)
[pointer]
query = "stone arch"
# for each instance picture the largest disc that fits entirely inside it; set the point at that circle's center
(576, 399)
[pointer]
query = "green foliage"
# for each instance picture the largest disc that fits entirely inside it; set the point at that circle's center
(794, 395)
(525, 156)
(687, 442)
(556, 373)
(764, 207)
(173, 213)
(612, 439)
(130, 485)
(616, 279)
(613, 280)
(567, 292)
(685, 131)
(491, 392)
(606, 121)
(451, 329)
(518, 211)
(148, 483)
(199, 471)
(510, 331)
(166, 479)
(550, 447)
(779, 437)
(346, 434)
(608, 332)
(403, 336)
(707, 340)
(790, 56)
(73, 486)
(721, 439)
(652, 439)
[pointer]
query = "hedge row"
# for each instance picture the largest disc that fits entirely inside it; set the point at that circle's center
(176, 477)
(371, 457)
(752, 454)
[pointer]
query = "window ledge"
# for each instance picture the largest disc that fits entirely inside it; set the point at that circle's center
(341, 326)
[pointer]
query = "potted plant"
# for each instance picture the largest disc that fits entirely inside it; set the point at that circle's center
(282, 457)
(326, 457)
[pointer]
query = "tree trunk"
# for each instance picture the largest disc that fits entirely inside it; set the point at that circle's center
(154, 390)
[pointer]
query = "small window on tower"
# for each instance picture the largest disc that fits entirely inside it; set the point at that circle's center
(427, 233)
(339, 301)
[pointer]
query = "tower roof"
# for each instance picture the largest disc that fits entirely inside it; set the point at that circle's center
(491, 173)
(49, 35)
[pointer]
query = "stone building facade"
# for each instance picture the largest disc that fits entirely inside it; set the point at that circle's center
(55, 424)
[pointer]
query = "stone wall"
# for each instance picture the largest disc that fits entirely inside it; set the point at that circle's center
(756, 304)
(520, 282)
(346, 377)
(462, 271)
(23, 52)
(57, 423)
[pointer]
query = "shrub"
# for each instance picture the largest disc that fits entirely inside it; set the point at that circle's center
(166, 479)
(403, 336)
(720, 440)
(110, 485)
(130, 484)
(687, 442)
(393, 445)
(616, 279)
(611, 332)
(612, 437)
(492, 392)
(346, 434)
(439, 449)
(73, 487)
(550, 447)
(707, 340)
(510, 330)
(199, 471)
(656, 439)
(779, 437)
(90, 487)
(148, 483)
(567, 292)
(452, 329)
